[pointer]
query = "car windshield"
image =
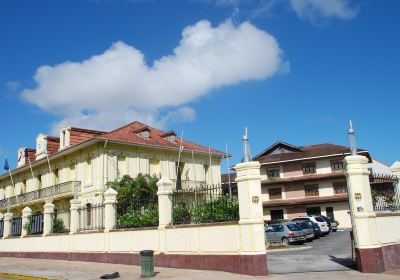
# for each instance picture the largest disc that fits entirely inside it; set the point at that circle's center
(305, 224)
(293, 227)
(319, 219)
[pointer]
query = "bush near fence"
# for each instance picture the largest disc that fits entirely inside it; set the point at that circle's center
(204, 205)
(138, 213)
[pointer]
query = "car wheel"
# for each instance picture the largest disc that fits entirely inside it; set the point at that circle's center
(285, 240)
(334, 230)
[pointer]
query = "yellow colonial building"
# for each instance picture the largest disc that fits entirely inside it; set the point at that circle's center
(81, 162)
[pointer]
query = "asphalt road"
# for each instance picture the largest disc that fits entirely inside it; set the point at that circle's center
(329, 253)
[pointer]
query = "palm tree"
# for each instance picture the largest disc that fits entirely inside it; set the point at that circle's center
(131, 191)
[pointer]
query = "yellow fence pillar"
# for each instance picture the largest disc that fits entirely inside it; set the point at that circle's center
(110, 211)
(251, 211)
(48, 217)
(74, 223)
(26, 213)
(7, 224)
(164, 193)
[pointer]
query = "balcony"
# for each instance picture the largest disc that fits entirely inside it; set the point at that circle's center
(56, 191)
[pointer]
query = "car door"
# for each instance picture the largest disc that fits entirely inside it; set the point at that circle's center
(269, 233)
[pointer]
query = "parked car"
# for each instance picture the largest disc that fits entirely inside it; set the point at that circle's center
(323, 226)
(308, 229)
(331, 223)
(285, 233)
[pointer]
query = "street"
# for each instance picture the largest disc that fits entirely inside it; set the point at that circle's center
(329, 253)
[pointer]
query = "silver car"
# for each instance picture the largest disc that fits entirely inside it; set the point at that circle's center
(285, 233)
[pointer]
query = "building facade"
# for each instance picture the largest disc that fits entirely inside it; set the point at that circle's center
(80, 162)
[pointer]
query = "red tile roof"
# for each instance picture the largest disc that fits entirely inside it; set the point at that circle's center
(31, 155)
(305, 152)
(53, 144)
(129, 133)
(78, 135)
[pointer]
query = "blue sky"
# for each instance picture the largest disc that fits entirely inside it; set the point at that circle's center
(290, 70)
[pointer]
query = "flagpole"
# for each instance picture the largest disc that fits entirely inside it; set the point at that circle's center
(48, 161)
(179, 159)
(229, 174)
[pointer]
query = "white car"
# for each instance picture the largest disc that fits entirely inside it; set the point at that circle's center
(323, 225)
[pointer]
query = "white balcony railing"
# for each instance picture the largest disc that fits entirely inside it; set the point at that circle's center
(52, 191)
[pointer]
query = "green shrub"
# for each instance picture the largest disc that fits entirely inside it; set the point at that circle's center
(223, 208)
(138, 218)
(58, 226)
(27, 227)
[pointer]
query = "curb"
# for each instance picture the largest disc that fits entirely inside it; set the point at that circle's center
(289, 249)
(24, 276)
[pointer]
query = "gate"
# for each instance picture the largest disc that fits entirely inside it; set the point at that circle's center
(36, 223)
(16, 226)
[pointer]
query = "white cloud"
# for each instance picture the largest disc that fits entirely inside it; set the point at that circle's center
(119, 86)
(312, 10)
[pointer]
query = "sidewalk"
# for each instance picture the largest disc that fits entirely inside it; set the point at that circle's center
(87, 271)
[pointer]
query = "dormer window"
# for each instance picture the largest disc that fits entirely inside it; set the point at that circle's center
(143, 132)
(65, 135)
(170, 136)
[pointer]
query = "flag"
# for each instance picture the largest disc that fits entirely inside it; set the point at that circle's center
(6, 166)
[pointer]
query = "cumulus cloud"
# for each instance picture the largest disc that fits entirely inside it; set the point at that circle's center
(119, 86)
(312, 10)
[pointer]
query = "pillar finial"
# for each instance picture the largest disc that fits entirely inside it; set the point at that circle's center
(246, 147)
(352, 139)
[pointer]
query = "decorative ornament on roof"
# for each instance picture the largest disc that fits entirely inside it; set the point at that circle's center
(246, 148)
(352, 140)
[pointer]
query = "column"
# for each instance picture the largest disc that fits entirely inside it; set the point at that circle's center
(165, 187)
(250, 206)
(110, 213)
(48, 215)
(362, 215)
(26, 213)
(74, 223)
(7, 224)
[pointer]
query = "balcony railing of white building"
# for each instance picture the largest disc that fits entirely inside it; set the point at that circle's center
(59, 190)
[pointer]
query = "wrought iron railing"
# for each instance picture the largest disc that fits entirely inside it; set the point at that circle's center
(385, 192)
(139, 212)
(63, 188)
(91, 217)
(16, 226)
(1, 228)
(36, 223)
(188, 184)
(204, 205)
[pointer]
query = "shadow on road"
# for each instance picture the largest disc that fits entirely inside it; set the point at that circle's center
(349, 263)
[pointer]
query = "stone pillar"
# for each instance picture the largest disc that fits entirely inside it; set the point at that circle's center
(252, 236)
(363, 216)
(165, 187)
(7, 224)
(48, 215)
(110, 211)
(74, 223)
(26, 213)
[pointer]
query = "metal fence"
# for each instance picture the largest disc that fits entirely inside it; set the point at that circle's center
(36, 223)
(91, 217)
(384, 191)
(136, 213)
(16, 226)
(1, 228)
(204, 205)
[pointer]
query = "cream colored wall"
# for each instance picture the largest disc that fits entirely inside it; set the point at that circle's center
(388, 228)
(323, 166)
(325, 188)
(191, 240)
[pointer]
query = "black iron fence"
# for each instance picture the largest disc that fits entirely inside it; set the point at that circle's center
(136, 213)
(204, 205)
(16, 226)
(36, 224)
(385, 193)
(91, 217)
(1, 228)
